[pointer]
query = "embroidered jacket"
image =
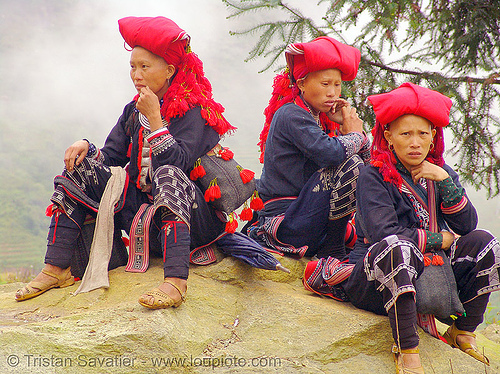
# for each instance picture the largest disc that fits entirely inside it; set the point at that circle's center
(297, 147)
(180, 144)
(382, 210)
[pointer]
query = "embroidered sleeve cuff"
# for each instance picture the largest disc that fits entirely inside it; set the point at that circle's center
(352, 142)
(450, 193)
(93, 152)
(160, 140)
(434, 241)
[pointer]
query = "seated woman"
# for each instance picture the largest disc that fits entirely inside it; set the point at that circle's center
(402, 197)
(312, 147)
(171, 122)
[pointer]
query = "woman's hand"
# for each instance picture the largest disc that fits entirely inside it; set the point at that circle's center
(75, 154)
(448, 239)
(345, 115)
(429, 171)
(149, 105)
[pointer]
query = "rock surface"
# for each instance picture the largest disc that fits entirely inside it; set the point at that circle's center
(236, 319)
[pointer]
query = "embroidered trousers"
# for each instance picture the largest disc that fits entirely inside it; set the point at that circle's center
(316, 220)
(390, 267)
(77, 194)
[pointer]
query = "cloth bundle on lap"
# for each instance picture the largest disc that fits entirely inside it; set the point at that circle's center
(96, 274)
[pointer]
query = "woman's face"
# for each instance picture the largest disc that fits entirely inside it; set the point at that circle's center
(411, 136)
(320, 89)
(150, 70)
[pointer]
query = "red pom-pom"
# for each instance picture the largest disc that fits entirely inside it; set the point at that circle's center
(256, 202)
(213, 191)
(201, 171)
(246, 174)
(49, 211)
(246, 214)
(226, 154)
(437, 260)
(194, 174)
(232, 224)
(427, 261)
(198, 171)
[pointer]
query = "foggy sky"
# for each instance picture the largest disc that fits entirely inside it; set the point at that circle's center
(64, 63)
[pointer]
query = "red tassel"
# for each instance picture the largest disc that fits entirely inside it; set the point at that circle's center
(193, 175)
(427, 261)
(246, 174)
(201, 171)
(49, 211)
(232, 224)
(246, 214)
(198, 171)
(226, 154)
(256, 202)
(213, 191)
(437, 260)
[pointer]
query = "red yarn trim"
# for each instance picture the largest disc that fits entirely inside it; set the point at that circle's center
(383, 158)
(191, 88)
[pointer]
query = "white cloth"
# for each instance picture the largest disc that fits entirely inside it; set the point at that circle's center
(96, 273)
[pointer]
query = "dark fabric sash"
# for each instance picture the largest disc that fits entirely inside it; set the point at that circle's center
(427, 321)
(429, 205)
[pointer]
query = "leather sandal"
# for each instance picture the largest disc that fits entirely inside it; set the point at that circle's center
(35, 288)
(161, 300)
(451, 338)
(398, 360)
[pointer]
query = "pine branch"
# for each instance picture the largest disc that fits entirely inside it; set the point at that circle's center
(489, 80)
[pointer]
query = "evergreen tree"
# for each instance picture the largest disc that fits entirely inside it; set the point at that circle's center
(449, 46)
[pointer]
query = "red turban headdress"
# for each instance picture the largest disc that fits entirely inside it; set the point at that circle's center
(407, 99)
(320, 54)
(189, 86)
(303, 58)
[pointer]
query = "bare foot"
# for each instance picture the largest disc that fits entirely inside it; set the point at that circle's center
(461, 338)
(411, 360)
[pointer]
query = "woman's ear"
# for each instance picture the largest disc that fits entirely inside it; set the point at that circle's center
(170, 71)
(387, 136)
(433, 132)
(300, 84)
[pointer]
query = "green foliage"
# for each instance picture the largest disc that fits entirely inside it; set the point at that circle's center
(25, 189)
(436, 43)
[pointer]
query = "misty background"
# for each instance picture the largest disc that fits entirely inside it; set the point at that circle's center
(64, 76)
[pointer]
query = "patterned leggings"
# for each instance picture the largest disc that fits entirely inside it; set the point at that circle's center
(390, 267)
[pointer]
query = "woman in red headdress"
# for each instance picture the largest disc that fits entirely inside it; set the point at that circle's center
(312, 147)
(171, 122)
(409, 205)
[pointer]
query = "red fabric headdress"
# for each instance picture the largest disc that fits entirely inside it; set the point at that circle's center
(303, 58)
(189, 87)
(407, 99)
(320, 54)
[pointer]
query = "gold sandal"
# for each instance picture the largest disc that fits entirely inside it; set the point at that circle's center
(451, 338)
(161, 300)
(398, 360)
(35, 288)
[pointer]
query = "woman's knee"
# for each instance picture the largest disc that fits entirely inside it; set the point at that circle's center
(474, 243)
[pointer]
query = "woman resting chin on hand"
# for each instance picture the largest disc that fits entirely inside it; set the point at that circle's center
(410, 202)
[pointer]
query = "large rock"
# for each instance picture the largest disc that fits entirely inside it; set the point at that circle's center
(236, 319)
